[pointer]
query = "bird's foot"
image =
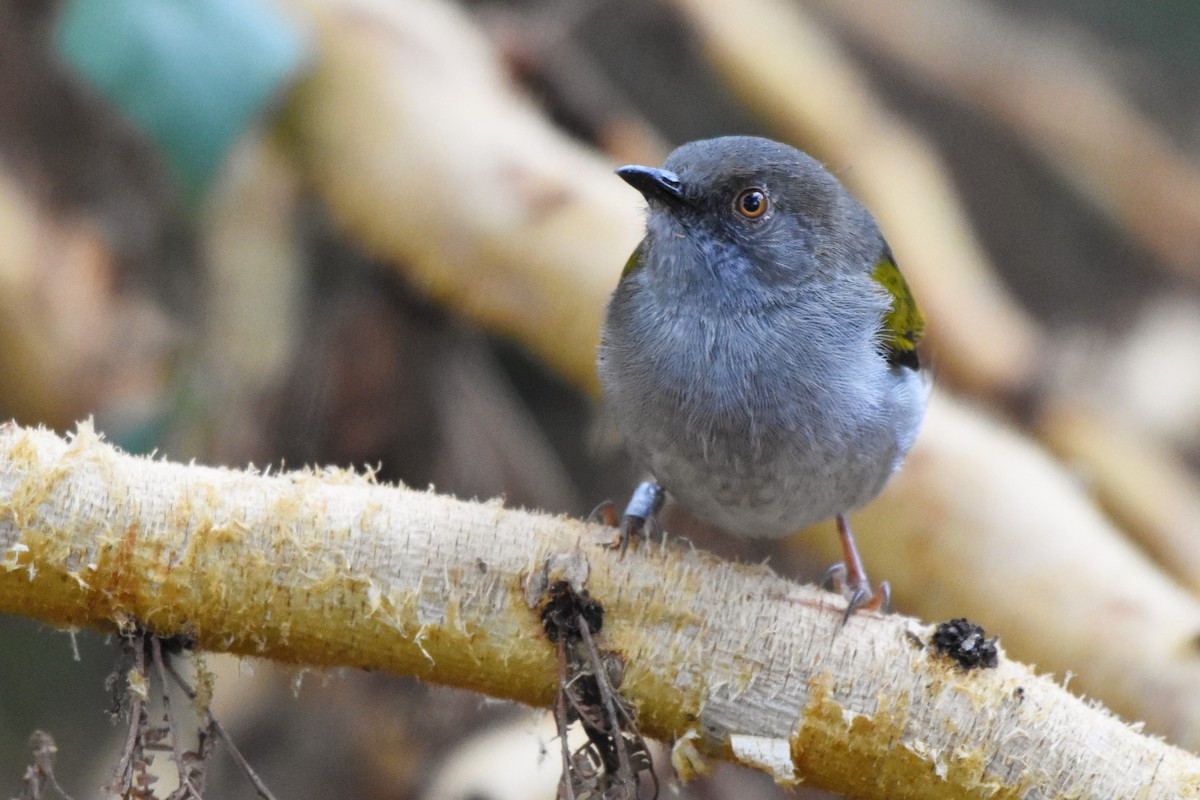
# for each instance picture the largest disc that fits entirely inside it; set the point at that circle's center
(629, 526)
(640, 518)
(850, 580)
(859, 595)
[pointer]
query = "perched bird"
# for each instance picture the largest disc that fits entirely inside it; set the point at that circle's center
(759, 354)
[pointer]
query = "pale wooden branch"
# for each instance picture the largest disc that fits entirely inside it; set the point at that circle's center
(330, 569)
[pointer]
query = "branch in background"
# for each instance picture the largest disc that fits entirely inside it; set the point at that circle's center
(490, 209)
(71, 339)
(1038, 81)
(1146, 487)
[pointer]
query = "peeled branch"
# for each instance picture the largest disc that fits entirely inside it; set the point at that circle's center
(331, 569)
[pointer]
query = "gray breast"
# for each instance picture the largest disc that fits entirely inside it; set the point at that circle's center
(744, 424)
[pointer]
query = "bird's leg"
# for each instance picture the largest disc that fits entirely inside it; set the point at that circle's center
(850, 578)
(641, 514)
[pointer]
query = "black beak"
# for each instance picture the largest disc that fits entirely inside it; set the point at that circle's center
(655, 184)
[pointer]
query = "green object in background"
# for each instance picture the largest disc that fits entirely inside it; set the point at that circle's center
(191, 74)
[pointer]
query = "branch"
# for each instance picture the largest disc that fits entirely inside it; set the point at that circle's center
(331, 569)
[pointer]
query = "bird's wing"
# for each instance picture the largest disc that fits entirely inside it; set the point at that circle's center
(903, 325)
(635, 260)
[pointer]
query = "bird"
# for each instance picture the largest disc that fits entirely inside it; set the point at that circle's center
(759, 352)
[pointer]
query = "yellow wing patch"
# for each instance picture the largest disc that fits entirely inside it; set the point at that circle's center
(635, 261)
(903, 325)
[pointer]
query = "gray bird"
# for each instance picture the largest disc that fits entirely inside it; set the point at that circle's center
(759, 354)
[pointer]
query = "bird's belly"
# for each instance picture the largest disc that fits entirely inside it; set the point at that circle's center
(768, 498)
(753, 474)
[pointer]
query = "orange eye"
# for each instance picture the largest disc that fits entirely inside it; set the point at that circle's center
(751, 203)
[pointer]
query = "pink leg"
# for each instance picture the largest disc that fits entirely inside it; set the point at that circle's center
(856, 586)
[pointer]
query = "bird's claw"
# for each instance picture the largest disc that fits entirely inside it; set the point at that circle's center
(628, 527)
(631, 527)
(858, 593)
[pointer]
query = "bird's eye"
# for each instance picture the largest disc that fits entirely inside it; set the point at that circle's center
(751, 203)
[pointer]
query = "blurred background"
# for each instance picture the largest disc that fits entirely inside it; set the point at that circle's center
(368, 233)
